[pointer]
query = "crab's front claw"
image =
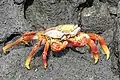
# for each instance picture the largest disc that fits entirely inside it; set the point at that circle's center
(102, 43)
(94, 50)
(104, 47)
(106, 50)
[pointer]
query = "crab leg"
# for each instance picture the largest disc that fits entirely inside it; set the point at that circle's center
(94, 49)
(22, 39)
(32, 53)
(44, 55)
(29, 33)
(102, 43)
(74, 42)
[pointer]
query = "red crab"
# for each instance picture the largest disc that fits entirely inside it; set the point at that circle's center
(58, 38)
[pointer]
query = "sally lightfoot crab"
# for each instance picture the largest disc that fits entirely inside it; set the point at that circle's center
(58, 38)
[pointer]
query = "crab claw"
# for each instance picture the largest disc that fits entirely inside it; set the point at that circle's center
(106, 50)
(102, 43)
(94, 50)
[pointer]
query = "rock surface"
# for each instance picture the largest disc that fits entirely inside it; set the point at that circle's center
(98, 16)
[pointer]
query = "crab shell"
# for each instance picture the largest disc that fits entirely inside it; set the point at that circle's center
(61, 30)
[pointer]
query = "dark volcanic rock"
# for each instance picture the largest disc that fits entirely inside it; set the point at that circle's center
(53, 12)
(113, 2)
(11, 18)
(98, 16)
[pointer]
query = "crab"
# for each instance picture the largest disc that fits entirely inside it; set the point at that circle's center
(58, 38)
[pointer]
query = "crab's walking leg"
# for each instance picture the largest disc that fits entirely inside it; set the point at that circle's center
(22, 39)
(29, 33)
(94, 50)
(32, 53)
(73, 42)
(44, 55)
(102, 43)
